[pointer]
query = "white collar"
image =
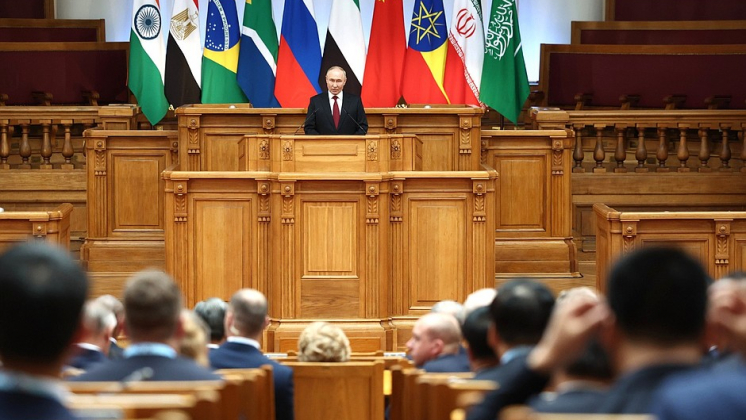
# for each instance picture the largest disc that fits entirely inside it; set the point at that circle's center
(244, 340)
(89, 346)
(340, 96)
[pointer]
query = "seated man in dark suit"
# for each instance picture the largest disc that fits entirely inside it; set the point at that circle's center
(42, 291)
(152, 312)
(245, 320)
(336, 112)
(91, 349)
(481, 356)
(435, 344)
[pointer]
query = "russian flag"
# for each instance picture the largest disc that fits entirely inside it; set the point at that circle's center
(299, 57)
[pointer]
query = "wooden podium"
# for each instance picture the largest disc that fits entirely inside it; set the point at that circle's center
(346, 229)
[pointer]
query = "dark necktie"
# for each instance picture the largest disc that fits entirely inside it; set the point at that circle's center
(335, 112)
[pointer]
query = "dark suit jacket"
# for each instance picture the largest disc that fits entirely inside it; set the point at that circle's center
(86, 358)
(703, 395)
(17, 405)
(517, 384)
(448, 363)
(634, 392)
(239, 355)
(164, 369)
(319, 117)
(115, 352)
(572, 401)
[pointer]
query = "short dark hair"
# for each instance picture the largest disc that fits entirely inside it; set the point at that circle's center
(521, 311)
(152, 305)
(42, 291)
(212, 311)
(659, 295)
(593, 362)
(475, 329)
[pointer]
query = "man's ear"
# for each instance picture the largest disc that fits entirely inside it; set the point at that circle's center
(438, 345)
(266, 322)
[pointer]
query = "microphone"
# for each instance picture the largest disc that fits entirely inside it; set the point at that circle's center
(305, 121)
(355, 121)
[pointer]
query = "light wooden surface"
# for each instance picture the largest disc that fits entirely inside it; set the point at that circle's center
(21, 226)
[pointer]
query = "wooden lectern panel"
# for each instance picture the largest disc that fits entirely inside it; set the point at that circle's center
(438, 250)
(222, 244)
(523, 197)
(222, 152)
(138, 202)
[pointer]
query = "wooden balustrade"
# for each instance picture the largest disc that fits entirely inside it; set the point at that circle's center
(652, 141)
(45, 137)
(715, 238)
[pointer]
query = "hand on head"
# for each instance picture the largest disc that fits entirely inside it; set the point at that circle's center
(726, 314)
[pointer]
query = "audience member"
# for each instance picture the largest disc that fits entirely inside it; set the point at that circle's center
(152, 308)
(323, 342)
(720, 355)
(116, 307)
(450, 307)
(658, 298)
(520, 313)
(97, 324)
(435, 343)
(245, 320)
(193, 344)
(212, 311)
(42, 291)
(478, 299)
(475, 329)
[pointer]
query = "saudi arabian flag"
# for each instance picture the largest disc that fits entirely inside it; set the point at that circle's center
(504, 81)
(148, 60)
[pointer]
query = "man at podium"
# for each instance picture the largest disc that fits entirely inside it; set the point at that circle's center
(336, 112)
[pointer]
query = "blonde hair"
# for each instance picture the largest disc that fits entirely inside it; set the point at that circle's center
(193, 344)
(323, 342)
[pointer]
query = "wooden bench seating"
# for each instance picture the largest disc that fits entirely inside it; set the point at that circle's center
(64, 73)
(683, 75)
(257, 391)
(659, 33)
(413, 392)
(522, 412)
(675, 10)
(52, 30)
(346, 391)
(200, 404)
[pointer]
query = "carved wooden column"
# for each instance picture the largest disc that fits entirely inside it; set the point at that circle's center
(373, 251)
(629, 234)
(725, 153)
(578, 155)
(620, 153)
(46, 145)
(4, 145)
(24, 148)
(192, 146)
(598, 153)
(683, 152)
(641, 153)
(287, 250)
(180, 241)
(480, 250)
(722, 250)
(464, 147)
(396, 253)
(67, 145)
(264, 217)
(662, 152)
(704, 150)
(98, 204)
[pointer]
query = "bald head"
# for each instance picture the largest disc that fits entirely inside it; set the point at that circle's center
(247, 313)
(434, 334)
(441, 326)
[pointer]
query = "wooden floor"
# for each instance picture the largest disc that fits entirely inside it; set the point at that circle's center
(587, 267)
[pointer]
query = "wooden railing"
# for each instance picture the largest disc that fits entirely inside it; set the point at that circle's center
(676, 10)
(659, 32)
(716, 239)
(53, 226)
(52, 30)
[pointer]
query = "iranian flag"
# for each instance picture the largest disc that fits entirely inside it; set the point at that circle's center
(345, 44)
(504, 81)
(148, 59)
(465, 53)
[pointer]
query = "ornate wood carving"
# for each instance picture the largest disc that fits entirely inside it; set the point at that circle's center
(557, 151)
(180, 202)
(268, 124)
(99, 168)
(479, 189)
(390, 123)
(193, 136)
(629, 233)
(372, 150)
(395, 149)
(4, 145)
(287, 150)
(722, 231)
(264, 149)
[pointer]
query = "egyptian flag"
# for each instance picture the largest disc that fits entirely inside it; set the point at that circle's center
(184, 55)
(299, 56)
(345, 44)
(465, 53)
(425, 60)
(383, 68)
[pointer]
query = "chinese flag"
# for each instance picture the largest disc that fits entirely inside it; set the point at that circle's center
(383, 68)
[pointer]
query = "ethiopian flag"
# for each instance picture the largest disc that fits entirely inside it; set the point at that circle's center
(148, 60)
(220, 61)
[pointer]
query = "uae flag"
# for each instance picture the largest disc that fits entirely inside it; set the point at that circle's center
(147, 60)
(345, 44)
(504, 81)
(465, 53)
(183, 55)
(386, 50)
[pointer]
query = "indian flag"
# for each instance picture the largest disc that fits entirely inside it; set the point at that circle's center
(148, 59)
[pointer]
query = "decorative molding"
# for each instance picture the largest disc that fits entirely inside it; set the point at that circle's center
(372, 150)
(629, 233)
(557, 151)
(180, 206)
(263, 149)
(287, 150)
(722, 231)
(395, 149)
(99, 165)
(372, 217)
(288, 204)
